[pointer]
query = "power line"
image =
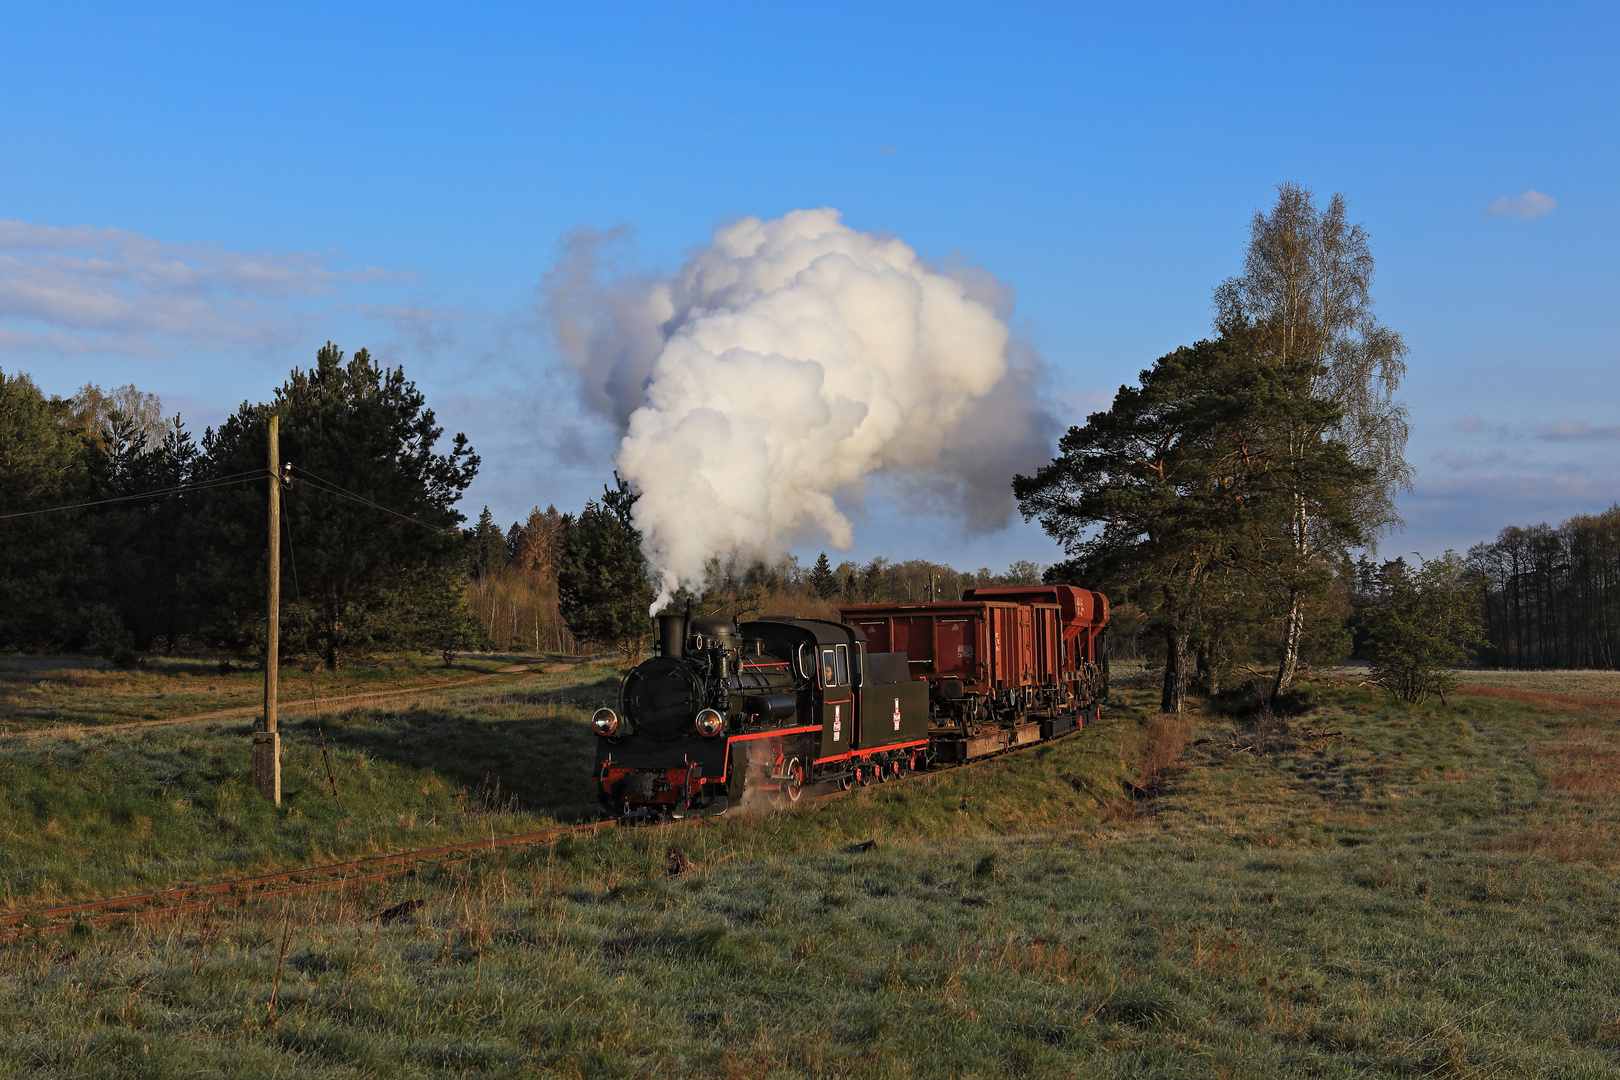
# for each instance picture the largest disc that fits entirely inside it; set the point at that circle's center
(200, 485)
(287, 503)
(320, 483)
(333, 489)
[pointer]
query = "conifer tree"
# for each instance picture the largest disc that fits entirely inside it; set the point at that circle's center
(1168, 496)
(352, 430)
(488, 549)
(603, 587)
(822, 578)
(49, 583)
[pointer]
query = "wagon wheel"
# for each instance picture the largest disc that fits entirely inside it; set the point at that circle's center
(794, 787)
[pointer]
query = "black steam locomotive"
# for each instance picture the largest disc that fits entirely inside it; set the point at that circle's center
(768, 709)
(729, 713)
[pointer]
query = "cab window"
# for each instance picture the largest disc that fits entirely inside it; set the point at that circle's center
(829, 668)
(841, 663)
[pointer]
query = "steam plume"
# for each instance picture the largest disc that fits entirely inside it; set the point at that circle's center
(786, 364)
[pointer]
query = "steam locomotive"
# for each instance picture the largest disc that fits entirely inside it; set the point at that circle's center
(730, 713)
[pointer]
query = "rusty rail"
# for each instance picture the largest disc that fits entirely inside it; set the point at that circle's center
(241, 890)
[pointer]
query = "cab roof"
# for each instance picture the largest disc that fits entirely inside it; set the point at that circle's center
(822, 631)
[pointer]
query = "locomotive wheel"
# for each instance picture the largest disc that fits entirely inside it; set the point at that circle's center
(793, 788)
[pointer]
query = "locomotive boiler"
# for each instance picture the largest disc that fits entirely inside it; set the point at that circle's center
(730, 713)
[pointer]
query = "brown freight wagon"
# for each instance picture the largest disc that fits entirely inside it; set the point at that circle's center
(1004, 666)
(1082, 613)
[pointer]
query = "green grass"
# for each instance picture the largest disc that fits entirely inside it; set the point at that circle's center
(1364, 891)
(103, 813)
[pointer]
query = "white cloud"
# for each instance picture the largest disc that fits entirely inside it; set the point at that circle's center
(1576, 430)
(81, 290)
(1532, 204)
(1564, 430)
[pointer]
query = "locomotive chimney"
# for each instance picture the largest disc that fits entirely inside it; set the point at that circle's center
(671, 635)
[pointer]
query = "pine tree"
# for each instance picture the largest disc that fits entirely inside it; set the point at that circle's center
(49, 584)
(351, 431)
(1166, 498)
(603, 587)
(822, 579)
(487, 546)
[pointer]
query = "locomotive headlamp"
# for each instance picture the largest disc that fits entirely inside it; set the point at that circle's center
(710, 722)
(605, 721)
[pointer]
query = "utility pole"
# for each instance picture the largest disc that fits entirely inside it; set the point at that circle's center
(267, 743)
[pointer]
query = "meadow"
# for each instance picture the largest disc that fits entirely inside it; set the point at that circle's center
(1359, 890)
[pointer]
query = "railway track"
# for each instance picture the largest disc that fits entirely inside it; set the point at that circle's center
(168, 902)
(165, 903)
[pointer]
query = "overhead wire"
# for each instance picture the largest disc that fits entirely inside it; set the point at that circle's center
(323, 484)
(200, 485)
(292, 557)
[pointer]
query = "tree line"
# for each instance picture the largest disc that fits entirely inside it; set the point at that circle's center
(1217, 501)
(586, 577)
(121, 532)
(1550, 596)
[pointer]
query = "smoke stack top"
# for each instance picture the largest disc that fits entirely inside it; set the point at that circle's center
(788, 362)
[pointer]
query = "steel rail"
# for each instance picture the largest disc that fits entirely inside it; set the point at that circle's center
(221, 891)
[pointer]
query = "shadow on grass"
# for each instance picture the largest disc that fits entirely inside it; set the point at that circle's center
(536, 765)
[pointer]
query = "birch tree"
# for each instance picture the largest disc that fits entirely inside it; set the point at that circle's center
(1304, 302)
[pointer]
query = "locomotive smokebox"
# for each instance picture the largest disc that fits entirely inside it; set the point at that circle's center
(671, 635)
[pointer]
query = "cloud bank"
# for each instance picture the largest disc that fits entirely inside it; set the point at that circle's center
(82, 290)
(783, 368)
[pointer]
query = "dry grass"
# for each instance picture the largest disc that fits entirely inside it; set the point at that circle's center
(1583, 683)
(1167, 736)
(1578, 820)
(50, 692)
(1564, 842)
(1584, 760)
(1562, 702)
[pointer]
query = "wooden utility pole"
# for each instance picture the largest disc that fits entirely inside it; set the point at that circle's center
(267, 743)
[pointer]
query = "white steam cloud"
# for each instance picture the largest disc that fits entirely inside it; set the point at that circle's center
(785, 365)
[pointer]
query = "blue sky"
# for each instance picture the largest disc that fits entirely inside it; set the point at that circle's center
(249, 182)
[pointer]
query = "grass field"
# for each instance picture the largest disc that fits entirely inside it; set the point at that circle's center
(1363, 890)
